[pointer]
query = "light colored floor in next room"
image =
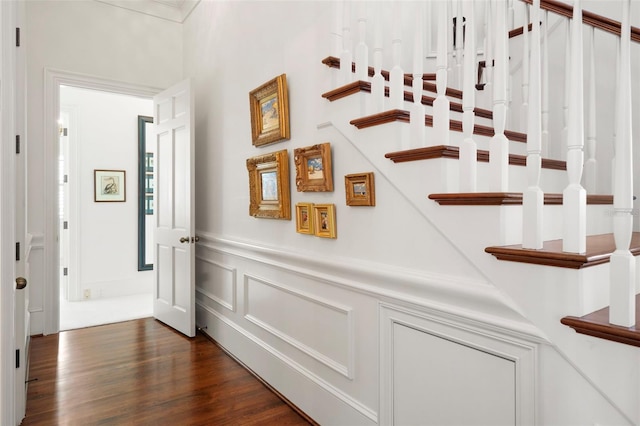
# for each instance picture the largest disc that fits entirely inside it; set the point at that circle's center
(88, 313)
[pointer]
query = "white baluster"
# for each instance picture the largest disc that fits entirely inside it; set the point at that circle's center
(622, 310)
(574, 197)
(489, 46)
(441, 103)
(377, 82)
(524, 111)
(590, 166)
(499, 146)
(396, 76)
(545, 85)
(346, 57)
(429, 29)
(533, 196)
(417, 109)
(567, 91)
(459, 44)
(615, 115)
(468, 149)
(362, 51)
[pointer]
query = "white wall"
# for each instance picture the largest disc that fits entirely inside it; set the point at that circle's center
(95, 39)
(105, 137)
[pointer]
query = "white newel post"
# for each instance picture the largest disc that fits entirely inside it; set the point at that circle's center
(396, 76)
(377, 82)
(574, 197)
(590, 166)
(417, 108)
(499, 146)
(533, 196)
(362, 51)
(468, 149)
(545, 85)
(622, 310)
(346, 57)
(524, 111)
(441, 103)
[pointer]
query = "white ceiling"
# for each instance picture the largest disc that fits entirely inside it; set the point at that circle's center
(172, 10)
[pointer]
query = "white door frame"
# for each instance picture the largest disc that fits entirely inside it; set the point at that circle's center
(53, 79)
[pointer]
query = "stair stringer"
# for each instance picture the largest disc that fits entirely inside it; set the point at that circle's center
(568, 291)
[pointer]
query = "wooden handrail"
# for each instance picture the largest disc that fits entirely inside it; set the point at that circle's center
(589, 18)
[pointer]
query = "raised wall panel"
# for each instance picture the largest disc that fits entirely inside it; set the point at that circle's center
(217, 282)
(441, 382)
(436, 369)
(320, 328)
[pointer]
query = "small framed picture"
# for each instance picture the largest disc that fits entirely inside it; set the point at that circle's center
(324, 219)
(313, 168)
(269, 186)
(270, 112)
(360, 189)
(304, 218)
(109, 185)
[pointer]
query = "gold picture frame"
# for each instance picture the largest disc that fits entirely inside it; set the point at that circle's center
(269, 195)
(360, 189)
(109, 186)
(313, 168)
(324, 218)
(304, 218)
(269, 105)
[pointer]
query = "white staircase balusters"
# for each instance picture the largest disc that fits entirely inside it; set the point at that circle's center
(346, 57)
(458, 41)
(417, 114)
(545, 84)
(489, 46)
(574, 197)
(469, 149)
(622, 310)
(524, 109)
(533, 196)
(377, 82)
(441, 103)
(590, 166)
(362, 50)
(567, 92)
(396, 76)
(511, 16)
(499, 146)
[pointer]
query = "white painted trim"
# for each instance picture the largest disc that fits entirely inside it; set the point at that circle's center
(157, 8)
(345, 370)
(408, 285)
(230, 306)
(53, 79)
(291, 364)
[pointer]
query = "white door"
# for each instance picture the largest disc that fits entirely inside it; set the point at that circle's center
(174, 236)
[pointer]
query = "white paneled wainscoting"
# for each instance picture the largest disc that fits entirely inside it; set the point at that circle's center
(352, 343)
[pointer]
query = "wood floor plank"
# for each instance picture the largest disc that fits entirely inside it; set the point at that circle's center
(143, 373)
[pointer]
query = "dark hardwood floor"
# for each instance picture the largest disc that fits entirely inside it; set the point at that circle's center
(144, 373)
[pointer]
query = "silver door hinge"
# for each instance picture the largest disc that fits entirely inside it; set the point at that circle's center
(17, 144)
(18, 37)
(65, 271)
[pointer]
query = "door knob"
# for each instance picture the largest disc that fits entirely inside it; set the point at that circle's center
(184, 239)
(195, 239)
(21, 283)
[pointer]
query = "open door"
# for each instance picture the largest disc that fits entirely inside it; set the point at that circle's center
(174, 237)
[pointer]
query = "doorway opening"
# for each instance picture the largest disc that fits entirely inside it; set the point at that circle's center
(98, 209)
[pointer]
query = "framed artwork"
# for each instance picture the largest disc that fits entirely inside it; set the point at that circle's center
(304, 218)
(324, 219)
(109, 185)
(269, 195)
(269, 105)
(313, 168)
(360, 189)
